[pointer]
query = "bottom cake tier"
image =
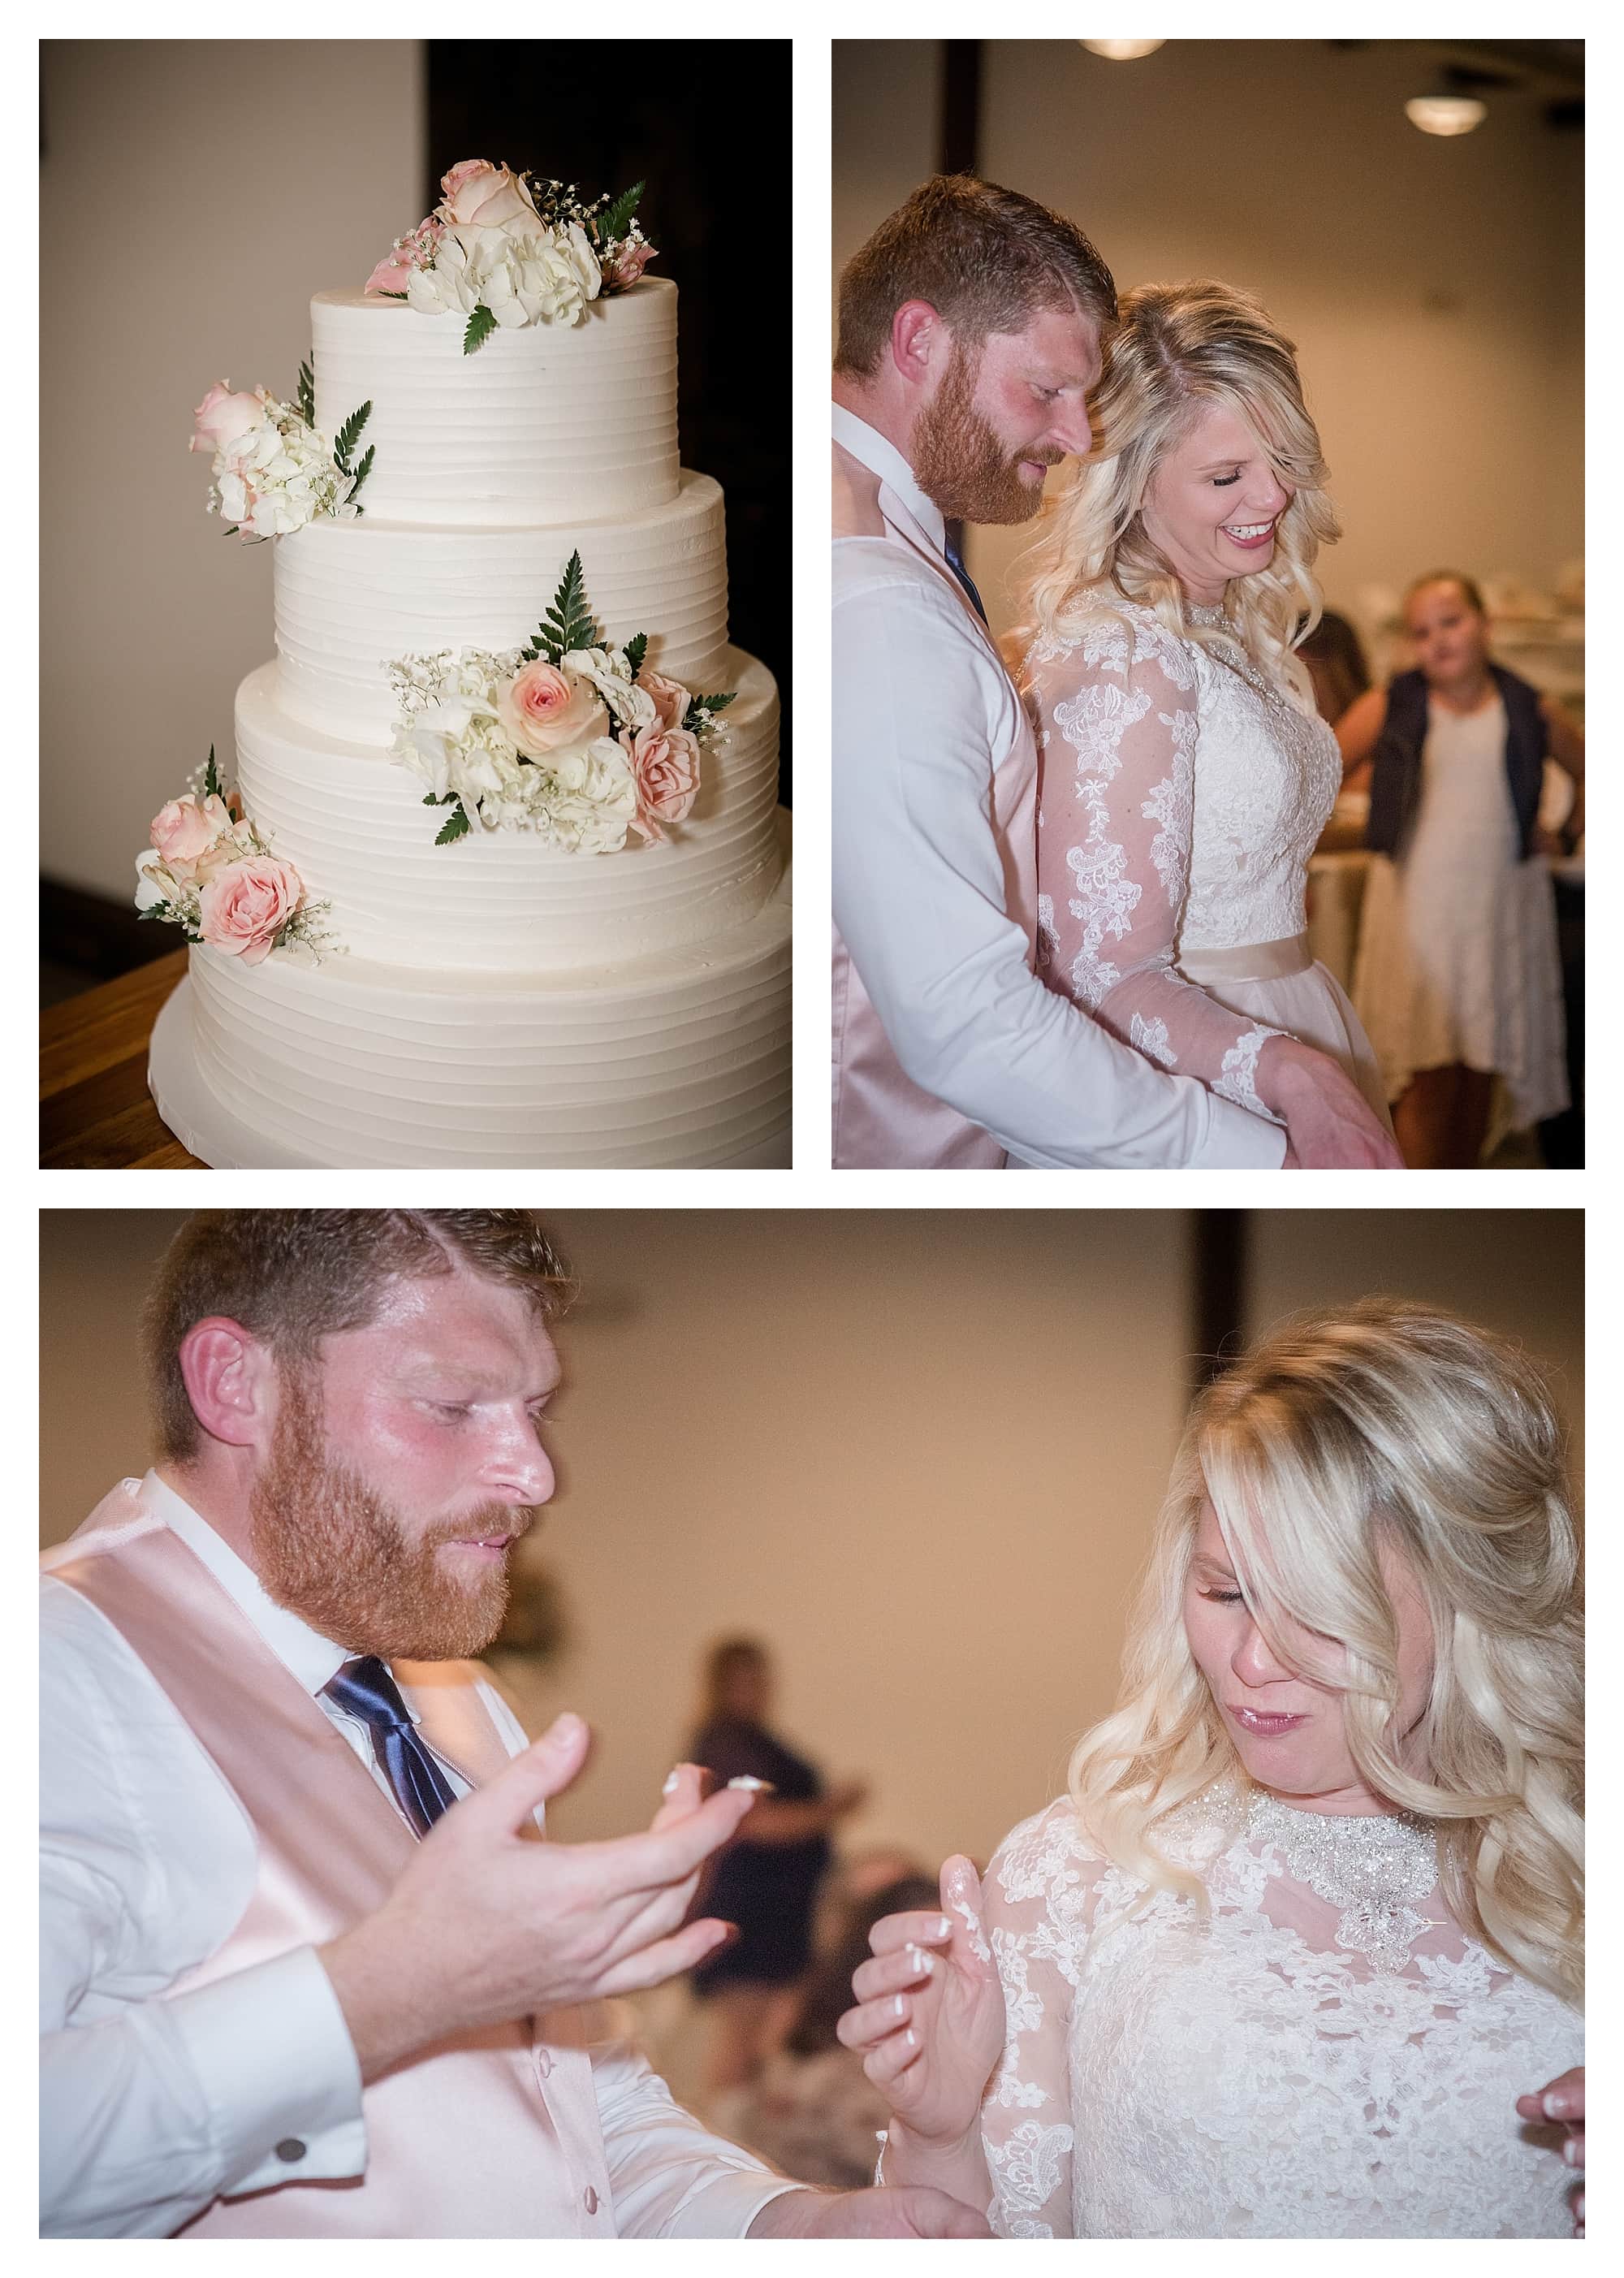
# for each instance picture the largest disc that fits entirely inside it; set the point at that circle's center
(677, 1062)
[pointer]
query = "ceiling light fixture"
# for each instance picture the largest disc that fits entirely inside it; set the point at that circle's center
(1122, 51)
(1445, 114)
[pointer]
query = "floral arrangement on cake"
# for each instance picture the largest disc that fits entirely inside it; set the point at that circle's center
(273, 470)
(570, 737)
(211, 872)
(502, 249)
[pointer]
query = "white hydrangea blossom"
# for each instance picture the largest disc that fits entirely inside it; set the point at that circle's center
(581, 799)
(538, 276)
(279, 476)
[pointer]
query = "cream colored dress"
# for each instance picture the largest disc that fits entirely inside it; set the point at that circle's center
(1458, 956)
(1181, 796)
(1327, 2054)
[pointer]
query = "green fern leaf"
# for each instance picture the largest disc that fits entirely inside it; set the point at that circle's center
(454, 827)
(620, 216)
(306, 394)
(481, 324)
(637, 649)
(348, 436)
(569, 623)
(696, 721)
(211, 778)
(362, 472)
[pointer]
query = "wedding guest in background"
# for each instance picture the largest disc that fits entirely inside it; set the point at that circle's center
(768, 1886)
(1336, 667)
(1458, 978)
(811, 2110)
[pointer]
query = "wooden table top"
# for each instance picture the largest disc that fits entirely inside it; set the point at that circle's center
(96, 1110)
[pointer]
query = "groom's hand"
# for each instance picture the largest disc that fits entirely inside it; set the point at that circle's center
(917, 2214)
(485, 1924)
(1329, 1125)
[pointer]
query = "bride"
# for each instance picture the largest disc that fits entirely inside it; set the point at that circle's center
(1186, 774)
(1309, 1917)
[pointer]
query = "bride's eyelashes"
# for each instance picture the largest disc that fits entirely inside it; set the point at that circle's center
(1223, 482)
(1223, 1597)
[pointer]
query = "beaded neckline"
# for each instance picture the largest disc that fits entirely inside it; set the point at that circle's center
(1375, 1868)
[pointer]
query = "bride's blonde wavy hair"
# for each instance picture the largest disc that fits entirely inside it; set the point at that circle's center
(1177, 349)
(1393, 1427)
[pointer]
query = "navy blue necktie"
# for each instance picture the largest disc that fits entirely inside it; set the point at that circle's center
(365, 1689)
(955, 563)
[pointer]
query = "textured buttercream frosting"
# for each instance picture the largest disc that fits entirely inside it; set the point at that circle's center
(353, 596)
(353, 824)
(681, 1061)
(543, 423)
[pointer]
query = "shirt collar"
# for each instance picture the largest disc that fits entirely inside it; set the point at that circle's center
(312, 1658)
(882, 458)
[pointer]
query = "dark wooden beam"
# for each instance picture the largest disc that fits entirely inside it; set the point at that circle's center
(1219, 1291)
(961, 106)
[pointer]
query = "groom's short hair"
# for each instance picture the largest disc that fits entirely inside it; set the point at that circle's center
(986, 259)
(296, 1276)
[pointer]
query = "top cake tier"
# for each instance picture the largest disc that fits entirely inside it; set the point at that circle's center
(542, 424)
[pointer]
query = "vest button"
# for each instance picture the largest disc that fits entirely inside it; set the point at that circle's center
(591, 2197)
(290, 2149)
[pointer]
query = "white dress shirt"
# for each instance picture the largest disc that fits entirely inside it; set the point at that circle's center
(928, 900)
(152, 2108)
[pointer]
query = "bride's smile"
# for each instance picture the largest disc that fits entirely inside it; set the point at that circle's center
(1214, 503)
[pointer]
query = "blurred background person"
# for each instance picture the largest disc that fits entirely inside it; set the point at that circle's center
(1458, 978)
(811, 2110)
(769, 1885)
(1335, 657)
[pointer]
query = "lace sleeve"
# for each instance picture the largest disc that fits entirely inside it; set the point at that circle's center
(1037, 1896)
(1114, 852)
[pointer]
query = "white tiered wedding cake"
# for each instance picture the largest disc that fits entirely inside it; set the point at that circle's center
(372, 984)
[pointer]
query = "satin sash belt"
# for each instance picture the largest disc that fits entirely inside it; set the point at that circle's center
(1260, 961)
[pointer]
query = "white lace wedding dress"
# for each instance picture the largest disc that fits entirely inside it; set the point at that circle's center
(1180, 798)
(1328, 2056)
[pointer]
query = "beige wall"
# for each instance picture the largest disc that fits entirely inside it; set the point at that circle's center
(193, 194)
(917, 1452)
(1434, 288)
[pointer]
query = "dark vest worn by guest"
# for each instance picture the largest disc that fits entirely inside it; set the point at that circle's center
(1395, 775)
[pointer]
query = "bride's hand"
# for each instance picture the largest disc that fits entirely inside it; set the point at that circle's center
(929, 2023)
(1328, 1121)
(1562, 2099)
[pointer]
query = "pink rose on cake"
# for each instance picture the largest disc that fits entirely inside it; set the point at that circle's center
(183, 832)
(671, 699)
(224, 419)
(479, 196)
(546, 710)
(245, 906)
(414, 250)
(665, 763)
(630, 262)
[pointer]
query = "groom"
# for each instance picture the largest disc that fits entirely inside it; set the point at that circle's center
(969, 336)
(308, 1970)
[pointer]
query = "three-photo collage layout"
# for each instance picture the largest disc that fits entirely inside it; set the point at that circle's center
(818, 1701)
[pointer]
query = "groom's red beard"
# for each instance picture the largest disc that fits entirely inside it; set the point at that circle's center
(332, 1551)
(960, 461)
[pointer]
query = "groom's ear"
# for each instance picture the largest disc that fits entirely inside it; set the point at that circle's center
(919, 341)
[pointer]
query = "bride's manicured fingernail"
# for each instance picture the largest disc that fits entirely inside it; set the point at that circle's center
(899, 2005)
(912, 2037)
(922, 1963)
(1572, 2151)
(1558, 2104)
(944, 1927)
(673, 1780)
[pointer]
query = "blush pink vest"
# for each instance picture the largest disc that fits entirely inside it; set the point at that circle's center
(489, 2135)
